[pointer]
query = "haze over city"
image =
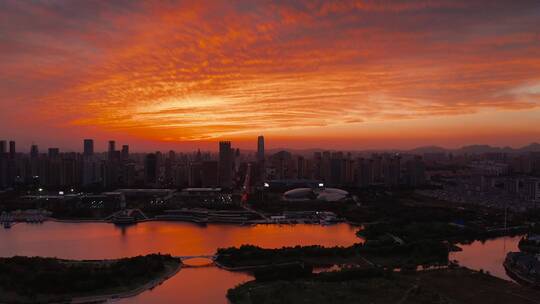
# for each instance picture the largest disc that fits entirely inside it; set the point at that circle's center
(308, 74)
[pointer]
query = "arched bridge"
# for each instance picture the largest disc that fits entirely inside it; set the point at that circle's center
(211, 258)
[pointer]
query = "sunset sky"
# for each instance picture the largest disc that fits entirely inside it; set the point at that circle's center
(306, 74)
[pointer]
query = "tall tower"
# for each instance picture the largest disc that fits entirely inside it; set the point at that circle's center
(150, 169)
(225, 164)
(125, 152)
(34, 151)
(12, 150)
(260, 148)
(88, 147)
(112, 149)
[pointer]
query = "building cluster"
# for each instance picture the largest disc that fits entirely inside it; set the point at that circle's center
(344, 169)
(226, 169)
(492, 179)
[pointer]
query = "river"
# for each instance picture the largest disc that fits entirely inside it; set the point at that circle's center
(206, 284)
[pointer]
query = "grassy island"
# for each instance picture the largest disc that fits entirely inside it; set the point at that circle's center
(45, 280)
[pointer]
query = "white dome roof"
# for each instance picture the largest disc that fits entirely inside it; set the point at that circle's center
(306, 194)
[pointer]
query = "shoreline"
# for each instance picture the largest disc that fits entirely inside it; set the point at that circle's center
(171, 266)
(129, 293)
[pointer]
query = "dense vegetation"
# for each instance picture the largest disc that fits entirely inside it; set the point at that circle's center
(32, 277)
(455, 285)
(290, 271)
(386, 253)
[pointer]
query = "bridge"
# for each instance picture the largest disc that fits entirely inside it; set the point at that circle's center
(211, 258)
(189, 257)
(135, 213)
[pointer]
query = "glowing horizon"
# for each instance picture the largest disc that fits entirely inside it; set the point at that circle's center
(306, 74)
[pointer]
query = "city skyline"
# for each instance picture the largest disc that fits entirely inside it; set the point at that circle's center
(89, 146)
(351, 75)
(263, 152)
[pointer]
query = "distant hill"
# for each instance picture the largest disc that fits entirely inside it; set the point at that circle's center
(534, 147)
(428, 149)
(470, 149)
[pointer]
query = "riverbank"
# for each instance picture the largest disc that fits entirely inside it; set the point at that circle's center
(171, 270)
(49, 280)
(453, 285)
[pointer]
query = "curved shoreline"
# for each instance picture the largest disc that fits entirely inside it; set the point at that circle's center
(130, 293)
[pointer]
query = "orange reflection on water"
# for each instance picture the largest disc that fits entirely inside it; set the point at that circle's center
(102, 240)
(487, 255)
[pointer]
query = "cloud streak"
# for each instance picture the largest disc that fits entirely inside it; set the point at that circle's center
(197, 71)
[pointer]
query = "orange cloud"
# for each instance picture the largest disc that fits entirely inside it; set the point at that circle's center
(205, 71)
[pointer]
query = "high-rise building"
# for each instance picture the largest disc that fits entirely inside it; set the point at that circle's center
(392, 170)
(12, 150)
(125, 152)
(3, 172)
(209, 176)
(364, 172)
(34, 151)
(88, 147)
(172, 156)
(90, 171)
(54, 152)
(150, 169)
(3, 147)
(112, 149)
(225, 164)
(260, 148)
(416, 175)
(532, 188)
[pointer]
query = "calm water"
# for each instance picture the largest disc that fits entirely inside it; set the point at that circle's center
(487, 255)
(190, 285)
(201, 285)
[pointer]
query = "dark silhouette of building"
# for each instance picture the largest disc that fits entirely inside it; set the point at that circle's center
(88, 147)
(416, 172)
(392, 170)
(3, 165)
(54, 152)
(125, 152)
(225, 164)
(150, 169)
(364, 172)
(209, 176)
(34, 151)
(12, 150)
(260, 148)
(111, 150)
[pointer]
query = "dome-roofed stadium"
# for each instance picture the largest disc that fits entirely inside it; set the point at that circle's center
(320, 194)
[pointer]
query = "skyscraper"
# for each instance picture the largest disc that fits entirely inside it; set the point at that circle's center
(88, 147)
(54, 152)
(225, 164)
(12, 150)
(125, 152)
(34, 151)
(260, 148)
(150, 169)
(392, 170)
(112, 149)
(209, 170)
(364, 172)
